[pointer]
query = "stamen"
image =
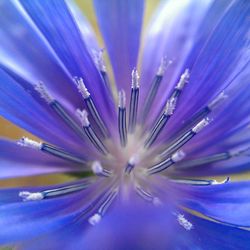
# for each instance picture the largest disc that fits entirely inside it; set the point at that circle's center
(205, 160)
(161, 122)
(122, 118)
(29, 196)
(163, 66)
(91, 106)
(83, 115)
(239, 151)
(196, 182)
(134, 98)
(58, 108)
(217, 100)
(215, 157)
(95, 219)
(184, 79)
(42, 90)
(131, 163)
(99, 61)
(99, 170)
(26, 142)
(184, 222)
(147, 196)
(168, 111)
(208, 108)
(155, 86)
(183, 139)
(46, 148)
(159, 167)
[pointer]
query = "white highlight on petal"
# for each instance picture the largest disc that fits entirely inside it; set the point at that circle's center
(163, 66)
(83, 115)
(184, 222)
(135, 79)
(217, 100)
(28, 196)
(122, 99)
(97, 168)
(81, 87)
(95, 219)
(202, 124)
(183, 80)
(44, 93)
(170, 106)
(178, 156)
(26, 142)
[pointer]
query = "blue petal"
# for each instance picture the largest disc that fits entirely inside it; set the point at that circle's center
(144, 227)
(17, 161)
(58, 26)
(18, 106)
(84, 26)
(22, 221)
(120, 23)
(172, 33)
(207, 56)
(229, 203)
(36, 62)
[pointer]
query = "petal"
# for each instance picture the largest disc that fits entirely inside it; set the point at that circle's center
(146, 227)
(22, 221)
(227, 203)
(17, 161)
(172, 33)
(58, 26)
(206, 80)
(18, 106)
(88, 34)
(34, 63)
(120, 23)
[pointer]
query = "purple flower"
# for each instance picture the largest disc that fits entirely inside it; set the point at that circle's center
(142, 149)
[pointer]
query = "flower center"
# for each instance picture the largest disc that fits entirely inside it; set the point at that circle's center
(127, 163)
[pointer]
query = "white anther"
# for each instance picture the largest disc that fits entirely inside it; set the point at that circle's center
(178, 156)
(170, 106)
(97, 168)
(95, 219)
(135, 79)
(163, 66)
(217, 100)
(183, 80)
(99, 61)
(202, 124)
(26, 142)
(134, 159)
(81, 87)
(214, 182)
(83, 115)
(184, 222)
(42, 90)
(122, 99)
(28, 196)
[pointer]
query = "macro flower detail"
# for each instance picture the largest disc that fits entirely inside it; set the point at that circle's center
(150, 131)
